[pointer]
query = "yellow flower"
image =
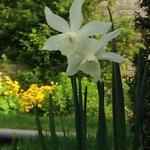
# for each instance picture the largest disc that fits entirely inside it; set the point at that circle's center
(12, 86)
(34, 96)
(8, 86)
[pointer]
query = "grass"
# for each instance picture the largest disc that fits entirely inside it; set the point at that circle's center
(34, 144)
(27, 121)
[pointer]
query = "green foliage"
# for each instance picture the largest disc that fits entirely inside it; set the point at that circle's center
(8, 103)
(63, 102)
(8, 99)
(28, 77)
(4, 63)
(112, 2)
(23, 31)
(63, 95)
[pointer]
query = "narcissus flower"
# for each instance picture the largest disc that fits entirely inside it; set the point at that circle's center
(73, 37)
(87, 60)
(83, 53)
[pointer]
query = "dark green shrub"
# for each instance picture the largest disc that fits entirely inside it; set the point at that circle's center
(142, 23)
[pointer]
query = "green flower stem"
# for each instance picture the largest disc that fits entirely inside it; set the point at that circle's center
(66, 139)
(80, 112)
(79, 115)
(138, 84)
(52, 124)
(85, 110)
(75, 99)
(119, 123)
(82, 115)
(39, 128)
(136, 141)
(102, 141)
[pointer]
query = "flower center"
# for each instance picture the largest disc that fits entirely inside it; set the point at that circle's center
(72, 37)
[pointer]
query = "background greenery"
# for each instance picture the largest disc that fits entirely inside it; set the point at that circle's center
(142, 23)
(23, 31)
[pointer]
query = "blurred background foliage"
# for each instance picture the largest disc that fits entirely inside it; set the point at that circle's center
(23, 31)
(142, 24)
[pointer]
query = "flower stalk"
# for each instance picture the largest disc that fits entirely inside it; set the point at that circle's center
(119, 123)
(39, 128)
(85, 112)
(52, 124)
(79, 113)
(102, 141)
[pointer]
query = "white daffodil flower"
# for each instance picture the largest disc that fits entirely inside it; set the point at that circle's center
(83, 53)
(73, 37)
(88, 59)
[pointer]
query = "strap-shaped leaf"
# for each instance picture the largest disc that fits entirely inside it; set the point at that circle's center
(119, 124)
(102, 141)
(39, 128)
(139, 100)
(52, 124)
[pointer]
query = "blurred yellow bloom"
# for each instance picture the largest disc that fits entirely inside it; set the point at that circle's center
(8, 86)
(34, 96)
(12, 86)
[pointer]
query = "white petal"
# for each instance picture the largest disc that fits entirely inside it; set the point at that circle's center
(113, 34)
(59, 42)
(73, 64)
(56, 22)
(54, 42)
(106, 38)
(75, 14)
(91, 66)
(92, 45)
(111, 57)
(95, 27)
